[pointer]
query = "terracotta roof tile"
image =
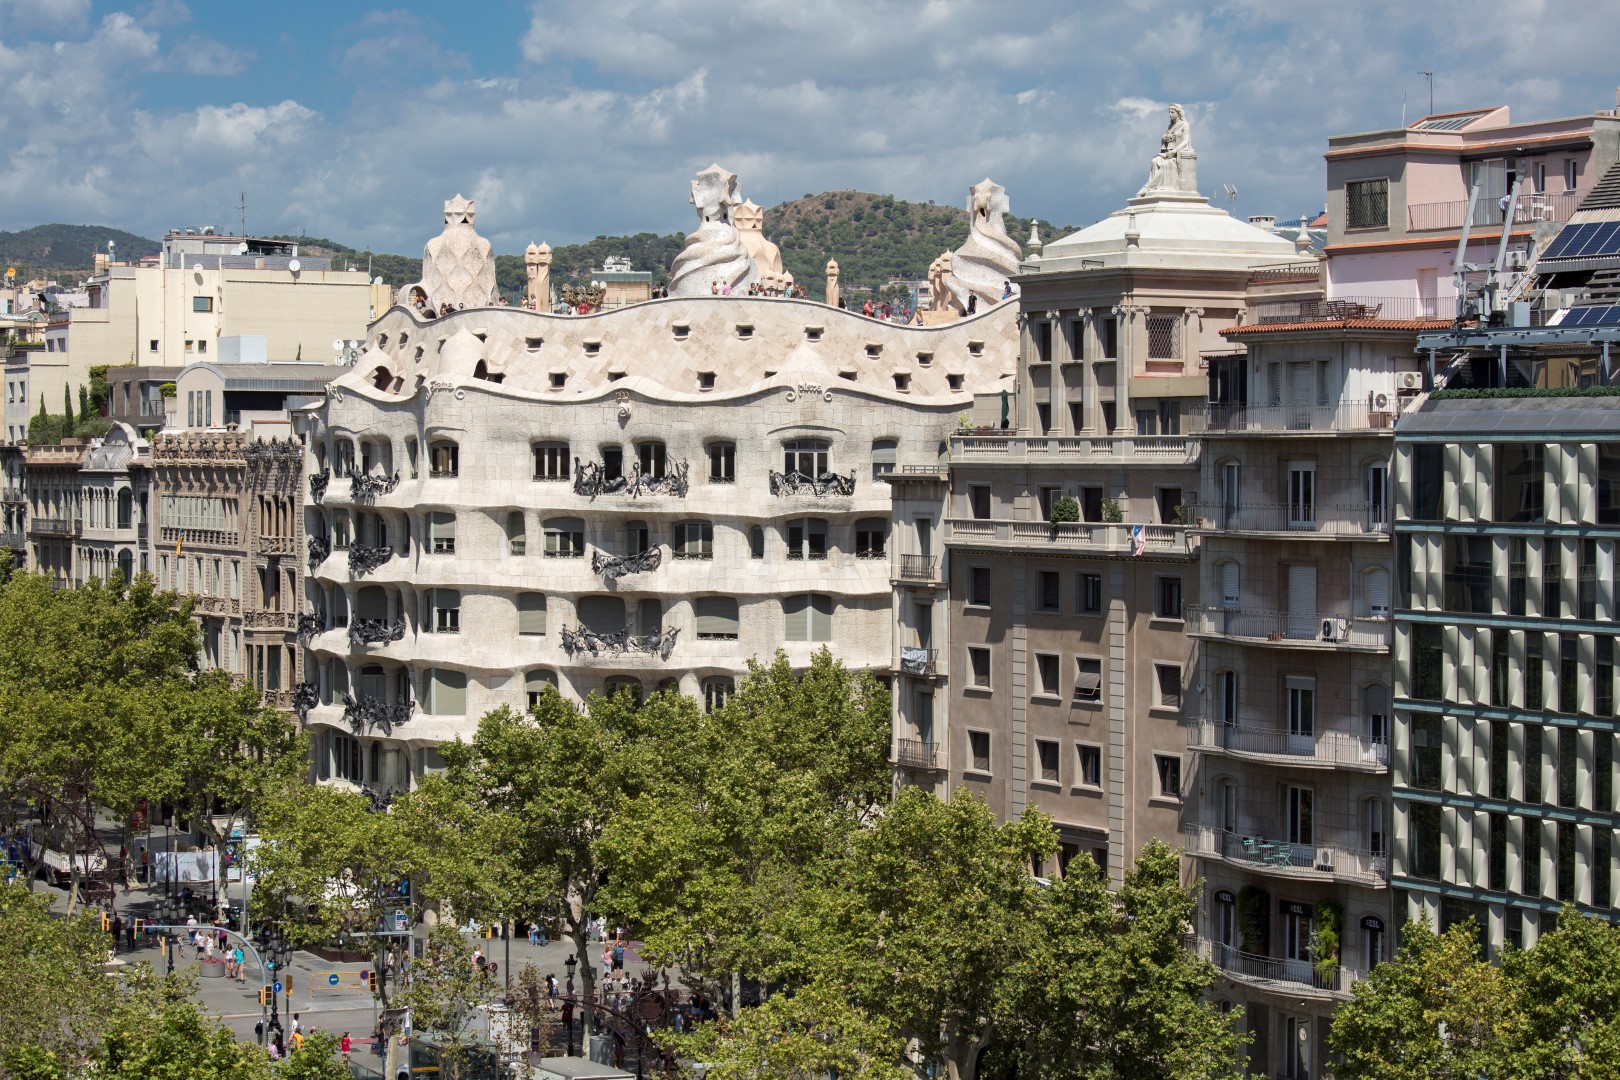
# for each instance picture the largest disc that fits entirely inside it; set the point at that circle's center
(1337, 324)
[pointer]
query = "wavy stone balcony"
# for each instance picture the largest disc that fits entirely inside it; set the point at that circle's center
(582, 640)
(1070, 537)
(1321, 749)
(592, 478)
(822, 486)
(1290, 630)
(1288, 977)
(364, 632)
(612, 567)
(1317, 861)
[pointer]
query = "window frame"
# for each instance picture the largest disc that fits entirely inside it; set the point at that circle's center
(1162, 669)
(1085, 755)
(1081, 694)
(1367, 190)
(722, 456)
(971, 599)
(692, 538)
(553, 461)
(1083, 602)
(444, 459)
(1160, 583)
(980, 764)
(1045, 663)
(1055, 748)
(973, 672)
(1166, 767)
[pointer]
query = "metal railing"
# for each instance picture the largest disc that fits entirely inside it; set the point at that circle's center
(1275, 973)
(1063, 449)
(1117, 538)
(1326, 747)
(916, 754)
(1288, 628)
(1322, 519)
(915, 660)
(918, 567)
(1324, 309)
(42, 526)
(1318, 860)
(1344, 416)
(1551, 206)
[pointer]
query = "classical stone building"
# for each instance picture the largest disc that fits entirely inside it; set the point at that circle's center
(504, 499)
(1072, 667)
(227, 530)
(115, 483)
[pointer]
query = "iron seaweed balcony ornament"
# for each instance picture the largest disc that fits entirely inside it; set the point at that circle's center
(306, 695)
(319, 549)
(363, 558)
(591, 479)
(310, 623)
(374, 712)
(366, 488)
(317, 484)
(612, 567)
(797, 483)
(672, 482)
(375, 631)
(584, 639)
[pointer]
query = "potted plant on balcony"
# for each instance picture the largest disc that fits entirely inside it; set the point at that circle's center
(1253, 919)
(1064, 510)
(1111, 512)
(1327, 931)
(1178, 514)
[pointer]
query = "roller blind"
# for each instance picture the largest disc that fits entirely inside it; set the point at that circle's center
(796, 611)
(1378, 592)
(442, 525)
(448, 692)
(650, 614)
(1229, 584)
(821, 609)
(717, 617)
(603, 614)
(531, 613)
(538, 679)
(372, 603)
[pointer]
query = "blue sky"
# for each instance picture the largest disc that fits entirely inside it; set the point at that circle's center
(356, 121)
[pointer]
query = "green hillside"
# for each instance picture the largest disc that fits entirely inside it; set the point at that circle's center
(873, 237)
(53, 248)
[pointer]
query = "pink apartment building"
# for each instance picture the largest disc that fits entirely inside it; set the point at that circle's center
(1397, 199)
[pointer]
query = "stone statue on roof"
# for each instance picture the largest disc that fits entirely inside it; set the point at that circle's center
(537, 262)
(715, 258)
(750, 221)
(1175, 166)
(984, 266)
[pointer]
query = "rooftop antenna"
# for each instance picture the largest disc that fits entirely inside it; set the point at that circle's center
(1428, 73)
(1228, 196)
(241, 207)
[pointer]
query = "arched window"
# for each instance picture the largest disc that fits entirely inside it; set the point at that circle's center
(126, 509)
(807, 457)
(126, 564)
(807, 538)
(717, 690)
(342, 457)
(717, 618)
(373, 682)
(371, 603)
(535, 683)
(614, 684)
(442, 532)
(693, 540)
(564, 538)
(602, 614)
(444, 611)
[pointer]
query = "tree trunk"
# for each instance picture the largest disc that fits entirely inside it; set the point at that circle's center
(736, 994)
(579, 934)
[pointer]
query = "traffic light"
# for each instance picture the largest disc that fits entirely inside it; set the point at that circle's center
(264, 995)
(140, 929)
(106, 923)
(371, 981)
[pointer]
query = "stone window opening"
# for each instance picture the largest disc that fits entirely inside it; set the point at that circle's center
(564, 538)
(717, 690)
(551, 461)
(807, 539)
(808, 617)
(535, 683)
(444, 460)
(807, 457)
(445, 611)
(717, 618)
(342, 457)
(517, 533)
(693, 540)
(442, 532)
(756, 542)
(871, 538)
(722, 463)
(1164, 337)
(652, 458)
(531, 614)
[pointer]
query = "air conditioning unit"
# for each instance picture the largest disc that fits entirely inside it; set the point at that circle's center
(1380, 403)
(1335, 629)
(1409, 380)
(1324, 859)
(1515, 259)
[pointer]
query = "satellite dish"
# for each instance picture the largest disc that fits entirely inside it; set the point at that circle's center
(197, 267)
(355, 344)
(294, 265)
(377, 280)
(337, 344)
(241, 249)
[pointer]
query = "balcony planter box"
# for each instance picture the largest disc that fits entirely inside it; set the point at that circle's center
(211, 967)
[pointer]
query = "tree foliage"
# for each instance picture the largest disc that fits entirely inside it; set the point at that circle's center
(807, 1035)
(445, 991)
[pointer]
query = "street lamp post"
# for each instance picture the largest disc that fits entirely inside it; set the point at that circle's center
(571, 963)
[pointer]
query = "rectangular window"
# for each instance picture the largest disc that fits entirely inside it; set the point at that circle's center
(650, 456)
(717, 618)
(1168, 677)
(693, 540)
(1088, 594)
(1108, 333)
(979, 750)
(979, 665)
(1088, 759)
(1046, 752)
(1571, 173)
(531, 609)
(1046, 671)
(1169, 598)
(1518, 486)
(442, 532)
(1428, 661)
(1427, 748)
(551, 461)
(1168, 767)
(1048, 590)
(1533, 678)
(1428, 480)
(1367, 204)
(446, 611)
(1532, 763)
(722, 463)
(979, 501)
(979, 586)
(807, 539)
(202, 303)
(1164, 337)
(1087, 678)
(444, 460)
(808, 617)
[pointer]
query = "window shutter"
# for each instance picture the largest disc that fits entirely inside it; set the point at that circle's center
(883, 453)
(650, 613)
(797, 611)
(442, 525)
(539, 679)
(446, 598)
(1378, 592)
(716, 616)
(1302, 601)
(821, 611)
(1229, 584)
(532, 613)
(372, 603)
(603, 614)
(449, 689)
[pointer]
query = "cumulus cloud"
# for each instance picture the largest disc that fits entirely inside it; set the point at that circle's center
(592, 118)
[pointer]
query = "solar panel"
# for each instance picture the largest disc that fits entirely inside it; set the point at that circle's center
(1569, 237)
(1596, 315)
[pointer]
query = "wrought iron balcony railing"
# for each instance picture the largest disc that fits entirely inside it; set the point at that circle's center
(583, 639)
(317, 484)
(363, 558)
(797, 483)
(918, 661)
(320, 548)
(375, 631)
(918, 567)
(916, 754)
(1278, 974)
(365, 488)
(612, 567)
(310, 623)
(371, 712)
(1325, 747)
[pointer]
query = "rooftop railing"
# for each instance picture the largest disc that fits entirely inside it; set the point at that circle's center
(1323, 309)
(1290, 629)
(1067, 449)
(1421, 217)
(1320, 860)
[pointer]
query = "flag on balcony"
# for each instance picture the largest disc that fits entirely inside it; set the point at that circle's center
(1138, 540)
(179, 542)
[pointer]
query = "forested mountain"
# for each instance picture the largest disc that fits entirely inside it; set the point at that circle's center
(46, 250)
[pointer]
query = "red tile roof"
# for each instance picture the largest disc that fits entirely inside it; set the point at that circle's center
(1337, 324)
